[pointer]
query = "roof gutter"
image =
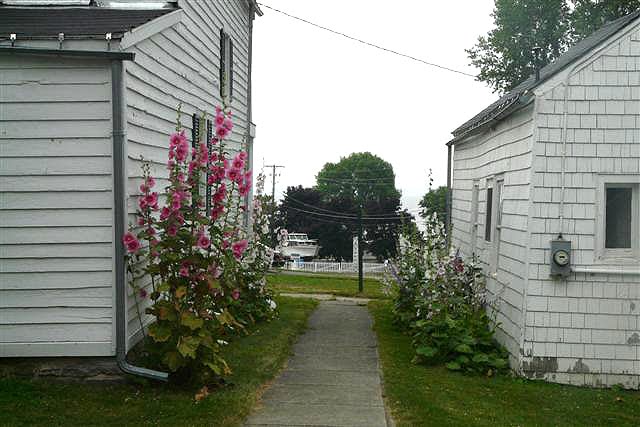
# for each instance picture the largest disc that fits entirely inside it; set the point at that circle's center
(514, 105)
(120, 221)
(64, 53)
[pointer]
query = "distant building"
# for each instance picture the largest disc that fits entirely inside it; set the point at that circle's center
(558, 159)
(85, 91)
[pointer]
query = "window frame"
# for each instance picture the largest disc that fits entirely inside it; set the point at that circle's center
(474, 223)
(488, 211)
(617, 256)
(226, 66)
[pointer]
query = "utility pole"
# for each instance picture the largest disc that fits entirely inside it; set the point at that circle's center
(273, 180)
(358, 198)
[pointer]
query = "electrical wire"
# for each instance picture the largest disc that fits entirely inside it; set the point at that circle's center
(432, 64)
(351, 217)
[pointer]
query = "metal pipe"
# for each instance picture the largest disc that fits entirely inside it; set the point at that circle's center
(120, 221)
(249, 196)
(448, 197)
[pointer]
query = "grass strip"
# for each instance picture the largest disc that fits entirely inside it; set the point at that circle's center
(346, 286)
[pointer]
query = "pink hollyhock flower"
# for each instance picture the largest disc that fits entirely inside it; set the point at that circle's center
(228, 124)
(192, 167)
(239, 247)
(142, 293)
(184, 270)
(144, 188)
(235, 294)
(219, 119)
(177, 139)
(179, 218)
(203, 241)
(243, 155)
(215, 271)
(214, 157)
(141, 221)
(164, 213)
(142, 203)
(213, 141)
(172, 230)
(181, 152)
(152, 199)
(131, 242)
(234, 175)
(237, 163)
(171, 164)
(222, 132)
(243, 189)
(151, 182)
(216, 211)
(220, 193)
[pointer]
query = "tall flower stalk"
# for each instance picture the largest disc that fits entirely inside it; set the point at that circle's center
(203, 271)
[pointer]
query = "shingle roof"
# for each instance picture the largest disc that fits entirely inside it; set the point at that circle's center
(571, 55)
(74, 22)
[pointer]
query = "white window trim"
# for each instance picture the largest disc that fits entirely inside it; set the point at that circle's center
(609, 256)
(474, 223)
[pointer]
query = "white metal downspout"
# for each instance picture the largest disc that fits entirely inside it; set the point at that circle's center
(119, 222)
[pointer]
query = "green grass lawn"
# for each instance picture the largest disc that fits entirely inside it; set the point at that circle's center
(434, 396)
(255, 360)
(346, 286)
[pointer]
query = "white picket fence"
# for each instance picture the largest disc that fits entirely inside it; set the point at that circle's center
(370, 268)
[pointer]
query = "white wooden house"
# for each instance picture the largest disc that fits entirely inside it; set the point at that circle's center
(74, 80)
(559, 155)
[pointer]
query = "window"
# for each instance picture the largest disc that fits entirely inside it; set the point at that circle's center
(618, 232)
(619, 202)
(226, 66)
(488, 217)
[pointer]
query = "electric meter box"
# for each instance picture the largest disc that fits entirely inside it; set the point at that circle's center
(560, 257)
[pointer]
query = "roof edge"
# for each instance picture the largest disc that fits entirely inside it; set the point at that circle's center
(149, 29)
(101, 54)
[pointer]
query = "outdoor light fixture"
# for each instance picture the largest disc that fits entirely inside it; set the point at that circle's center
(60, 39)
(107, 37)
(12, 37)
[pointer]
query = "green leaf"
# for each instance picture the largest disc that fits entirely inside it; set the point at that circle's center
(191, 321)
(160, 332)
(454, 366)
(163, 287)
(480, 358)
(173, 360)
(187, 346)
(427, 351)
(463, 348)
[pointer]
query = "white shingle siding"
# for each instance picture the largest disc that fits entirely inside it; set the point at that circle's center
(56, 284)
(504, 149)
(584, 330)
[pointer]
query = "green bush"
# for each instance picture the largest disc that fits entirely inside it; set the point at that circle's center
(441, 302)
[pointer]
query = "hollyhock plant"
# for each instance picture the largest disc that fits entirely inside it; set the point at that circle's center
(206, 270)
(441, 301)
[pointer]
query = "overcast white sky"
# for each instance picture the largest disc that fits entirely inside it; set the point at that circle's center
(318, 96)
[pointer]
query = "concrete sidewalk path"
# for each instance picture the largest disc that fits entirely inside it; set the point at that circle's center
(332, 378)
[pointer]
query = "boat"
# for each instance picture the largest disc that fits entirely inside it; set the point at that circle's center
(299, 246)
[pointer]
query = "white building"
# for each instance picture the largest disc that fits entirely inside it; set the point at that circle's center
(560, 156)
(77, 111)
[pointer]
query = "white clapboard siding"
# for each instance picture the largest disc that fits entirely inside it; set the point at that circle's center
(180, 65)
(506, 150)
(56, 284)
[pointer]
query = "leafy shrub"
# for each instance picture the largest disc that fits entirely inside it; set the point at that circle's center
(441, 302)
(206, 270)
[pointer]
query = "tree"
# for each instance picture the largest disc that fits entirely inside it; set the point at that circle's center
(505, 56)
(361, 183)
(434, 201)
(291, 212)
(589, 15)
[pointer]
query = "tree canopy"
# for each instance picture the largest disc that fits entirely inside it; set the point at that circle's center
(360, 183)
(505, 56)
(434, 201)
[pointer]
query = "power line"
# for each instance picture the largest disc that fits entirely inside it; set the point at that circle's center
(367, 43)
(351, 217)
